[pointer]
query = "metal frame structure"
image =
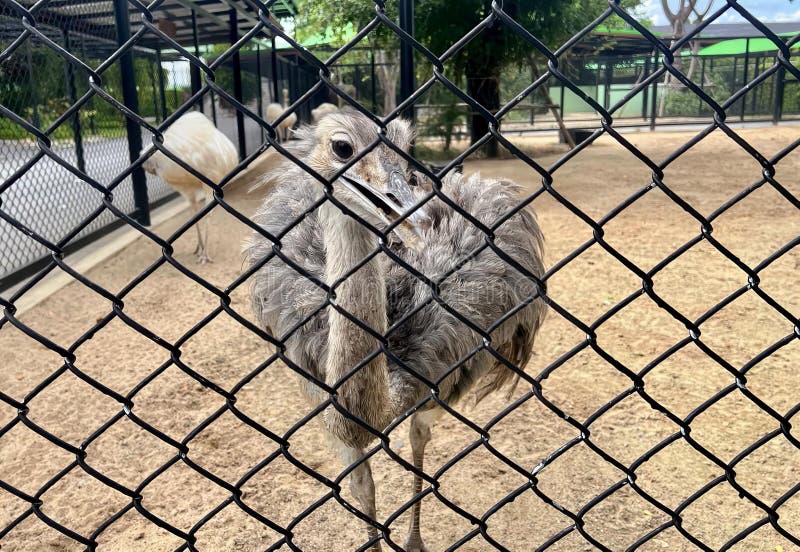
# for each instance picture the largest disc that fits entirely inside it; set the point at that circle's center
(108, 25)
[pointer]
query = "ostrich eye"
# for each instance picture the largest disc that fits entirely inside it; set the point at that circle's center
(412, 181)
(342, 149)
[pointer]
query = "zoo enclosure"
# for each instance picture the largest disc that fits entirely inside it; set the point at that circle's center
(37, 85)
(97, 135)
(40, 87)
(607, 72)
(261, 21)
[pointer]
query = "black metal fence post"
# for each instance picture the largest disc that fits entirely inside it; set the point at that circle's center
(273, 61)
(292, 77)
(130, 98)
(756, 94)
(259, 98)
(161, 89)
(194, 72)
(69, 80)
(357, 81)
(744, 76)
(654, 98)
(90, 104)
(213, 100)
(533, 77)
(374, 92)
(32, 83)
(646, 89)
(777, 102)
(175, 88)
(237, 83)
(702, 85)
(407, 80)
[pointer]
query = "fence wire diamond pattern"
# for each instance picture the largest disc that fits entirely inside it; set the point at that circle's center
(387, 531)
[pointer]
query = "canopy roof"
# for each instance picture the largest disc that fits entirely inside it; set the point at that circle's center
(94, 19)
(738, 46)
(722, 31)
(719, 39)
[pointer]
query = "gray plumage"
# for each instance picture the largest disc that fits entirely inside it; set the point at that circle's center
(431, 340)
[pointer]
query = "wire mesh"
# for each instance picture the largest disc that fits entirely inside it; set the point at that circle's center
(105, 185)
(41, 88)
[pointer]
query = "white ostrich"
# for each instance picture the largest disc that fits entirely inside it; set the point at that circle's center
(275, 110)
(195, 140)
(322, 110)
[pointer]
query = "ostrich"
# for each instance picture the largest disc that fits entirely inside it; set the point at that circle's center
(326, 108)
(195, 140)
(323, 109)
(427, 340)
(275, 110)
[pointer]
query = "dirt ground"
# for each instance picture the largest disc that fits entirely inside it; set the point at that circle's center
(168, 304)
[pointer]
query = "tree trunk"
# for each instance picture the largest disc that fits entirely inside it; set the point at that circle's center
(483, 85)
(388, 73)
(695, 48)
(678, 20)
(543, 90)
(669, 80)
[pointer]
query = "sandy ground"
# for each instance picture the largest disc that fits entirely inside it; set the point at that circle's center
(169, 304)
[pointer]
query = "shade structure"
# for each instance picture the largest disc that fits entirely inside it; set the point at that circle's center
(95, 19)
(738, 46)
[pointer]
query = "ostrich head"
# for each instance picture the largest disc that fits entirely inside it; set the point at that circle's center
(379, 187)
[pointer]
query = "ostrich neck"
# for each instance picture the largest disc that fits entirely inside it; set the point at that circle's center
(363, 295)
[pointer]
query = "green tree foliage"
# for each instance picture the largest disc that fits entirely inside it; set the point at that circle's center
(223, 76)
(23, 84)
(33, 85)
(441, 23)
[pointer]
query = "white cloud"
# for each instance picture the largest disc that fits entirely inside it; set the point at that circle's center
(653, 10)
(733, 16)
(787, 17)
(766, 10)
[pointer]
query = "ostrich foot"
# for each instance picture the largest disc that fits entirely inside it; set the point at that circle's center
(414, 544)
(203, 258)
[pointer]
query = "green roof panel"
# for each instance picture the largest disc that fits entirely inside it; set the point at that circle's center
(738, 46)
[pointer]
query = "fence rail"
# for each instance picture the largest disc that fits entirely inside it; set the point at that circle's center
(57, 188)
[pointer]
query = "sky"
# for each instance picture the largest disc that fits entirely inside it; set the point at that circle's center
(767, 10)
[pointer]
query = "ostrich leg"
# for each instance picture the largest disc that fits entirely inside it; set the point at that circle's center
(205, 229)
(363, 489)
(202, 229)
(419, 435)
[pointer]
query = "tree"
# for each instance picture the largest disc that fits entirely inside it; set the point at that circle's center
(677, 21)
(388, 72)
(441, 23)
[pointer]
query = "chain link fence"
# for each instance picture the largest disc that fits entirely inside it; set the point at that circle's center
(40, 87)
(41, 156)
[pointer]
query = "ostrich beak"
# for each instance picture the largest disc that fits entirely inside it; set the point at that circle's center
(390, 206)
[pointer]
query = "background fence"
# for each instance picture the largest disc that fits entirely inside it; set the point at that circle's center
(39, 86)
(81, 140)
